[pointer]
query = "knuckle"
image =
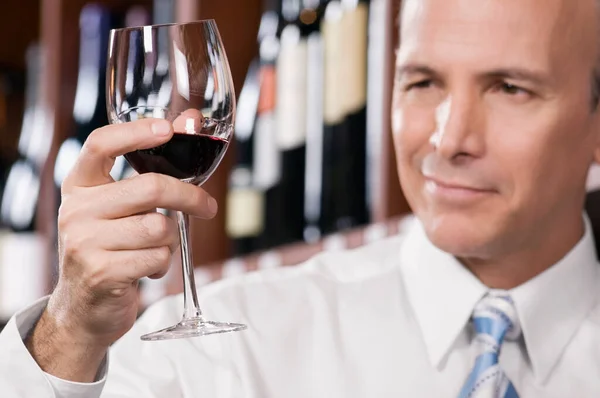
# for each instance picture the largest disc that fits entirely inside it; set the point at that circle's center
(197, 195)
(72, 244)
(159, 223)
(70, 212)
(155, 225)
(65, 185)
(198, 199)
(65, 216)
(173, 237)
(95, 276)
(142, 225)
(155, 260)
(153, 186)
(163, 255)
(93, 144)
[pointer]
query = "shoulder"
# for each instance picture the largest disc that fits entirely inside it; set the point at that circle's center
(342, 266)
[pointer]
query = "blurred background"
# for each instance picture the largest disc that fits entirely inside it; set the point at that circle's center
(311, 167)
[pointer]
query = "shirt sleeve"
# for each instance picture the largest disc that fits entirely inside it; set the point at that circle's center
(133, 368)
(71, 389)
(20, 375)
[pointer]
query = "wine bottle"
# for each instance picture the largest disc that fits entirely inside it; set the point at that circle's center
(245, 203)
(333, 200)
(35, 138)
(135, 16)
(267, 157)
(344, 138)
(256, 168)
(310, 18)
(89, 110)
(380, 60)
(291, 125)
(354, 95)
(21, 189)
(22, 249)
(164, 13)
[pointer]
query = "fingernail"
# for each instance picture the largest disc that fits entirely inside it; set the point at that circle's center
(161, 127)
(212, 205)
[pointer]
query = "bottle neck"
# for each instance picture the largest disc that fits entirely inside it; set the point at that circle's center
(290, 10)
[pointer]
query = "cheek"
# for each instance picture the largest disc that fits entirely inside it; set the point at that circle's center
(412, 128)
(538, 156)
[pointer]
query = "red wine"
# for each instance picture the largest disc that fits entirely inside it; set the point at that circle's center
(188, 157)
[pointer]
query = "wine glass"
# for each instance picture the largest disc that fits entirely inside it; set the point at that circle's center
(177, 72)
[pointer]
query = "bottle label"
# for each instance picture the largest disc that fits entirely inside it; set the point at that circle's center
(354, 70)
(245, 208)
(268, 89)
(267, 160)
(291, 90)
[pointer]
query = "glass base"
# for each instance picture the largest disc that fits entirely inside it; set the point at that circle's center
(192, 328)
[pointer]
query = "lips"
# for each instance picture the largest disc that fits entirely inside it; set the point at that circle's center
(455, 185)
(456, 193)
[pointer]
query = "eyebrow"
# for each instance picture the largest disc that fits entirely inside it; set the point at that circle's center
(537, 78)
(514, 73)
(414, 69)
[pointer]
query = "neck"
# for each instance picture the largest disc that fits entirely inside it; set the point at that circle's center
(532, 257)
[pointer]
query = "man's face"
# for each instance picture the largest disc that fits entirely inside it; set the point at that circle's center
(493, 124)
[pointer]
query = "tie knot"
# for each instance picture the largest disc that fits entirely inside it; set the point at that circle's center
(495, 317)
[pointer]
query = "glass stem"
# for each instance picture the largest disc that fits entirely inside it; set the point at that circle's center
(190, 298)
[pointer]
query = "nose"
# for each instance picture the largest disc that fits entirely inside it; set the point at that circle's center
(459, 131)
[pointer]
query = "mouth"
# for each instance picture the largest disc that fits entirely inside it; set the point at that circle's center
(455, 191)
(453, 185)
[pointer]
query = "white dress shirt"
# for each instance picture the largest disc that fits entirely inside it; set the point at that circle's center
(390, 319)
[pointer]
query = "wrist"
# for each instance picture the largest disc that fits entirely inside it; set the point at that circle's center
(64, 351)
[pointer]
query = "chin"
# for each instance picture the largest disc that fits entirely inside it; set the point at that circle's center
(458, 234)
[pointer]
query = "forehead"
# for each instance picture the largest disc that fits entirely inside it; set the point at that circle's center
(540, 33)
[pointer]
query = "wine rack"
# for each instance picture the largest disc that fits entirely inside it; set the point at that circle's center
(238, 22)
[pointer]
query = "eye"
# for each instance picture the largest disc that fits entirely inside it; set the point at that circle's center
(419, 85)
(511, 89)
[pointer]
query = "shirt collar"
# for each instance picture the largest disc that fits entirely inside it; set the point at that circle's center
(443, 293)
(553, 305)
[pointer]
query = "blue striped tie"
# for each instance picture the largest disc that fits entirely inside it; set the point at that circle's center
(495, 319)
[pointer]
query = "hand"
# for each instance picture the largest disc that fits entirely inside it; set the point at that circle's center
(110, 236)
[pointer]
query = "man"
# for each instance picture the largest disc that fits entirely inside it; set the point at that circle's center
(493, 292)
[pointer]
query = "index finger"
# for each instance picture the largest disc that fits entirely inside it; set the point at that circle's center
(106, 143)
